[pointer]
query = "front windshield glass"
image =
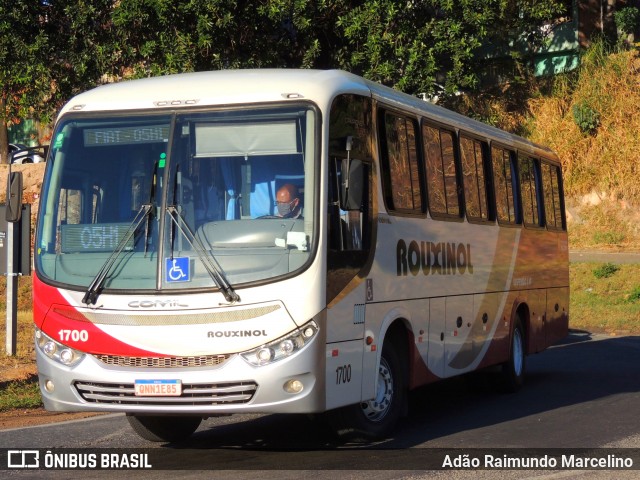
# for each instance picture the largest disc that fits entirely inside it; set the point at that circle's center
(228, 191)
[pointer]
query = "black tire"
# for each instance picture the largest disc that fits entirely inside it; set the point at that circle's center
(164, 429)
(377, 418)
(513, 370)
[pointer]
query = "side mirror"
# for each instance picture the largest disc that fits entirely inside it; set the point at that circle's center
(352, 185)
(14, 197)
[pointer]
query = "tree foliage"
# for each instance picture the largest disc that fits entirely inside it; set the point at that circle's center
(51, 49)
(21, 72)
(79, 54)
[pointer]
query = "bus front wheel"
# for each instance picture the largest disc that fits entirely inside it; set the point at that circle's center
(376, 418)
(164, 429)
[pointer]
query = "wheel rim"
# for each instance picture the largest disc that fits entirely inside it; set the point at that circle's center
(518, 352)
(376, 409)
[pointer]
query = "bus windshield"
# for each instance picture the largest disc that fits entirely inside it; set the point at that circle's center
(179, 200)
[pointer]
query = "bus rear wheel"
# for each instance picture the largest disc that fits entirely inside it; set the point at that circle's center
(376, 418)
(512, 375)
(164, 429)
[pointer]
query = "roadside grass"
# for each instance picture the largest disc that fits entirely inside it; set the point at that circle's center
(605, 298)
(20, 394)
(18, 381)
(25, 347)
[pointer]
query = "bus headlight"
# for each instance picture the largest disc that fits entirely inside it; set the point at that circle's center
(56, 350)
(283, 347)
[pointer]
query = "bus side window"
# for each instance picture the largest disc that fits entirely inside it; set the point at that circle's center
(552, 196)
(400, 168)
(472, 156)
(503, 180)
(529, 191)
(442, 178)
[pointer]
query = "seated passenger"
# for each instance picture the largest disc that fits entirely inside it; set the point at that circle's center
(288, 202)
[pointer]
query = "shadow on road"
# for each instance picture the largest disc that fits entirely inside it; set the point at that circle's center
(560, 385)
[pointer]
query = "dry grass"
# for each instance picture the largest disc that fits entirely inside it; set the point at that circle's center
(25, 351)
(609, 159)
(601, 168)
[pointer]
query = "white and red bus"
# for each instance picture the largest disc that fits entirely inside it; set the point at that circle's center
(173, 283)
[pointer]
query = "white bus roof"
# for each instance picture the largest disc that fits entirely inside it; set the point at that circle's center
(229, 87)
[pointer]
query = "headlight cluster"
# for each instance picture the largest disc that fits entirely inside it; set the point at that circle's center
(57, 351)
(283, 347)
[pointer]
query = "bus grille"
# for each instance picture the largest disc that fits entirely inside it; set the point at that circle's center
(197, 394)
(163, 362)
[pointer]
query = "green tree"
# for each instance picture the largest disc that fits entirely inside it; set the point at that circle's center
(49, 51)
(404, 44)
(52, 49)
(411, 45)
(79, 51)
(22, 72)
(162, 36)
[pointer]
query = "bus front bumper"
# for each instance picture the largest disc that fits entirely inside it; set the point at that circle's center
(292, 385)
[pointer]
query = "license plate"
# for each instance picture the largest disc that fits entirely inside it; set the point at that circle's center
(158, 388)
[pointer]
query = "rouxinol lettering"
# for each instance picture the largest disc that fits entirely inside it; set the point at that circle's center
(237, 333)
(443, 258)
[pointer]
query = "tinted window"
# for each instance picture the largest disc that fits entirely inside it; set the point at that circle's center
(440, 167)
(475, 191)
(402, 181)
(552, 197)
(503, 176)
(529, 179)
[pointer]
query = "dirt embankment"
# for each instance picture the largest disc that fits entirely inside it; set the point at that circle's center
(32, 175)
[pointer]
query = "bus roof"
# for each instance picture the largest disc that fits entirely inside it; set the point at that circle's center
(229, 87)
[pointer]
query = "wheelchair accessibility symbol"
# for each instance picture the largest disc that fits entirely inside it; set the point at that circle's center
(177, 269)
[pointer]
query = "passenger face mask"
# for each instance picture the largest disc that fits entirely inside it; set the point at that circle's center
(285, 209)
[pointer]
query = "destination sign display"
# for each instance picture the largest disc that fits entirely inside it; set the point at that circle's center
(93, 238)
(96, 137)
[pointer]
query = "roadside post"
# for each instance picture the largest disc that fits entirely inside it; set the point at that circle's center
(15, 238)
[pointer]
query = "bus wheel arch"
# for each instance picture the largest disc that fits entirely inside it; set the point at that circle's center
(377, 418)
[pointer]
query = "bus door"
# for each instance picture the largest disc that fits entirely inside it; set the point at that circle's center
(348, 252)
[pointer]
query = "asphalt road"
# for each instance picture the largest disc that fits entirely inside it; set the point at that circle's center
(581, 393)
(604, 257)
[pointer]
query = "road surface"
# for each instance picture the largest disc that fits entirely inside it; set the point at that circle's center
(581, 393)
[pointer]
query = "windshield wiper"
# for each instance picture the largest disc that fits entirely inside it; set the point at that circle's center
(95, 288)
(210, 263)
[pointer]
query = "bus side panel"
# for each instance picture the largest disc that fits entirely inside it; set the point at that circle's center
(557, 326)
(460, 353)
(345, 315)
(343, 373)
(486, 339)
(345, 346)
(534, 326)
(437, 329)
(495, 349)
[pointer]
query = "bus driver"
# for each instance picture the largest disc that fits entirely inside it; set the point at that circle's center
(288, 202)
